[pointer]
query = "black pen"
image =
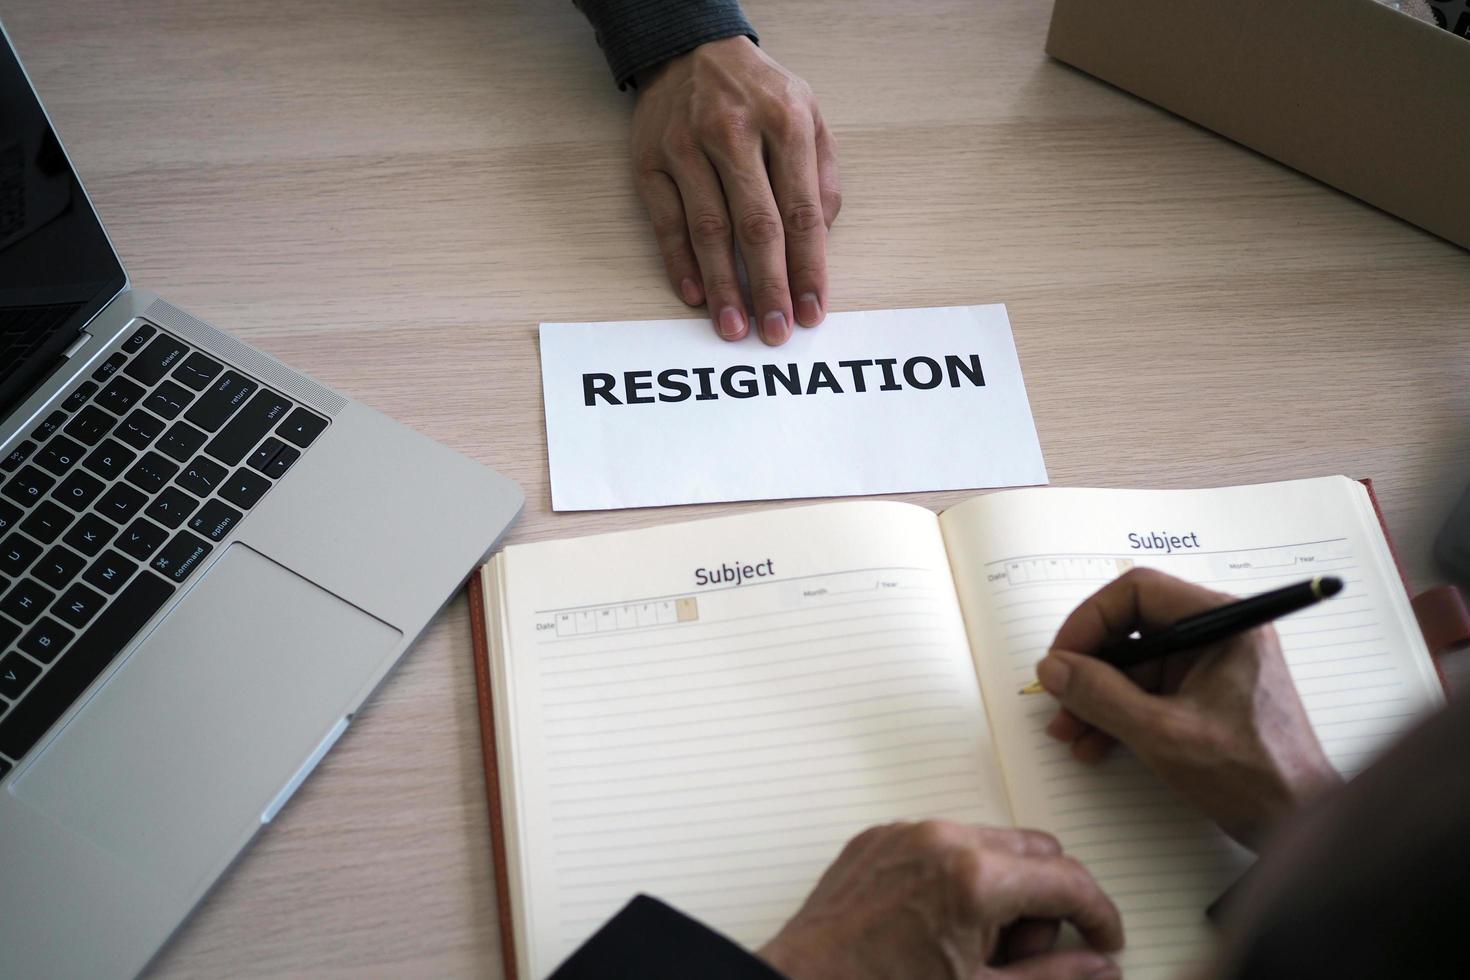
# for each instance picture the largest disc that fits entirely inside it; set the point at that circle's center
(1213, 625)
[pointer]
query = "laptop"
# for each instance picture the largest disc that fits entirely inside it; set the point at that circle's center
(207, 564)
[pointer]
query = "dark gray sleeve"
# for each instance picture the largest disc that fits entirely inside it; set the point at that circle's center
(649, 940)
(638, 34)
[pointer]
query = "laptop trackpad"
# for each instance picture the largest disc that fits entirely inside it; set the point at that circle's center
(172, 763)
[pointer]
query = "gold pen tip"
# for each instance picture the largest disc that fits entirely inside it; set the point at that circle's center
(1033, 688)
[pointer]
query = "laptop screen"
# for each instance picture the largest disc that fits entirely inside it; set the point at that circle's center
(57, 268)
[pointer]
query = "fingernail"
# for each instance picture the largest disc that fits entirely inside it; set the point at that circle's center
(731, 323)
(808, 310)
(1053, 674)
(689, 289)
(774, 329)
(1108, 972)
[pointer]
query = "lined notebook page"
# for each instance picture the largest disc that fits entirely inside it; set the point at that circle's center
(715, 746)
(1025, 559)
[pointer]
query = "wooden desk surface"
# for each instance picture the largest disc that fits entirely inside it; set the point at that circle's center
(390, 196)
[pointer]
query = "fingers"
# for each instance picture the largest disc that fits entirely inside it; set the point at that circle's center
(1139, 599)
(827, 178)
(1097, 693)
(708, 222)
(936, 835)
(1078, 964)
(761, 235)
(792, 154)
(666, 210)
(1053, 888)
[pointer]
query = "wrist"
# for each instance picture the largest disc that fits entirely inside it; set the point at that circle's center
(719, 48)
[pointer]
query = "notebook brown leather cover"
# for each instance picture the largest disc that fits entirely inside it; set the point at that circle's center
(1438, 620)
(492, 772)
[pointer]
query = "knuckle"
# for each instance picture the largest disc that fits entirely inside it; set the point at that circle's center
(760, 227)
(725, 126)
(803, 217)
(1077, 877)
(709, 228)
(933, 835)
(719, 285)
(769, 292)
(679, 143)
(668, 226)
(790, 121)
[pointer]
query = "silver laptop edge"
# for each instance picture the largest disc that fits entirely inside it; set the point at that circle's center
(120, 819)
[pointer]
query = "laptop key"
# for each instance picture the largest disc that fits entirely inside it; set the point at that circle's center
(152, 472)
(90, 425)
(90, 535)
(120, 503)
(78, 490)
(119, 396)
(215, 520)
(141, 539)
(46, 522)
(16, 554)
(171, 507)
(109, 367)
(156, 360)
(89, 655)
(220, 401)
(79, 397)
(109, 459)
(27, 486)
(9, 514)
(301, 428)
(109, 572)
(46, 639)
(181, 441)
(16, 674)
(60, 455)
(8, 634)
(266, 410)
(18, 455)
(181, 556)
(138, 429)
(25, 600)
(244, 488)
(78, 605)
(50, 425)
(197, 371)
(264, 453)
(277, 467)
(59, 567)
(202, 476)
(140, 337)
(168, 400)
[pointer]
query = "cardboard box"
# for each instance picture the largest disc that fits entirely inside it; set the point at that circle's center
(1356, 94)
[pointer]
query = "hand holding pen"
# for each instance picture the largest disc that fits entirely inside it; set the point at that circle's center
(1222, 724)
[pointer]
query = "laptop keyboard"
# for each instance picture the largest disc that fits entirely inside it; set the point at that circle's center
(113, 502)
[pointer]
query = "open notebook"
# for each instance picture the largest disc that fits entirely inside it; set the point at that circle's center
(706, 711)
